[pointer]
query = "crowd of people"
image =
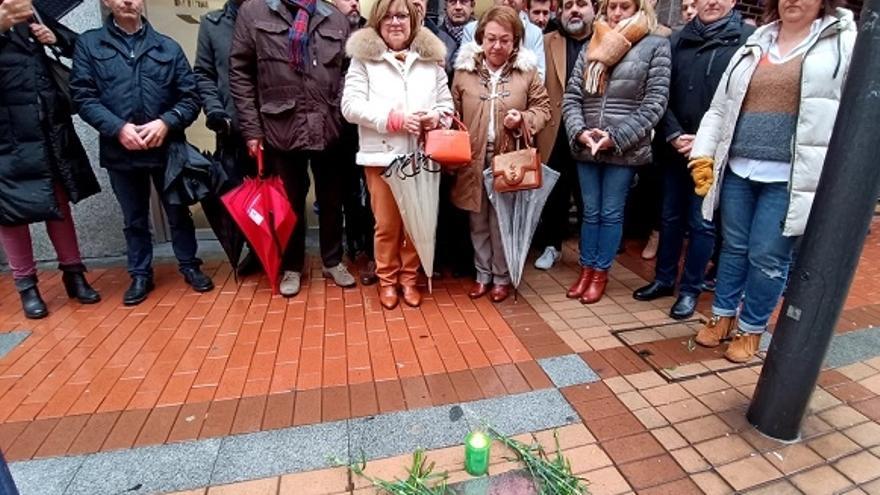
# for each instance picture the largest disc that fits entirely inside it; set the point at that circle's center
(733, 120)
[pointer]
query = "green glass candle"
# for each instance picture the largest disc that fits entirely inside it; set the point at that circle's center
(476, 453)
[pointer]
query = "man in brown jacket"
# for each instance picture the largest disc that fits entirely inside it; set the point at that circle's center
(286, 73)
(561, 50)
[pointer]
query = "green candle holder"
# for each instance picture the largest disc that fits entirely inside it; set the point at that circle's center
(476, 453)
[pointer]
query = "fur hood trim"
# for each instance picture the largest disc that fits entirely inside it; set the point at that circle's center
(466, 59)
(366, 44)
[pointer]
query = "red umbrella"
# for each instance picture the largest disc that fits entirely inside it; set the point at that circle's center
(262, 210)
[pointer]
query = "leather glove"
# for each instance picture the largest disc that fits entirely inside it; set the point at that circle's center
(702, 171)
(219, 122)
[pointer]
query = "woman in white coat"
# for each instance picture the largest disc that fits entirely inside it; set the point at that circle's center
(759, 153)
(395, 88)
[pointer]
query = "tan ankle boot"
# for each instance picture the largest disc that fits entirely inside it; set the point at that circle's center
(715, 330)
(743, 347)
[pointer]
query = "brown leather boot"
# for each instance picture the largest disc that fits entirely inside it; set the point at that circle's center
(388, 296)
(743, 347)
(412, 296)
(577, 290)
(596, 289)
(714, 331)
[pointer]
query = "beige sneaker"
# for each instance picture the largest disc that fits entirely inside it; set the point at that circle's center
(340, 275)
(290, 284)
(715, 330)
(743, 347)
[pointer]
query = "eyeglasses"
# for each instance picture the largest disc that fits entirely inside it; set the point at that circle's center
(400, 17)
(498, 41)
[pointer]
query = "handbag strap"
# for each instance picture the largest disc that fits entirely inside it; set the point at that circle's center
(457, 122)
(525, 136)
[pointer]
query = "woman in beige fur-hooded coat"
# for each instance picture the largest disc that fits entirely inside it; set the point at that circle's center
(496, 89)
(395, 88)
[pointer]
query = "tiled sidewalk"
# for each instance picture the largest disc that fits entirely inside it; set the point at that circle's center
(185, 368)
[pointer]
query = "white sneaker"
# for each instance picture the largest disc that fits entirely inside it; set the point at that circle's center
(340, 275)
(289, 285)
(548, 258)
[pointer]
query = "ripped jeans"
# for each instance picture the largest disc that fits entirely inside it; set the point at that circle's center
(755, 256)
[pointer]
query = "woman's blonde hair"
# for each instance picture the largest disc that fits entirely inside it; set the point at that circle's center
(380, 10)
(641, 6)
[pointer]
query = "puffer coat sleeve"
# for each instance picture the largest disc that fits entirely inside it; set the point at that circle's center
(630, 131)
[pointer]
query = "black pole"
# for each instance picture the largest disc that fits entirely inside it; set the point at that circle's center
(831, 246)
(7, 485)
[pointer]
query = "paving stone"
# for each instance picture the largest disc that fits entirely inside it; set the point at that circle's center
(145, 470)
(867, 434)
(606, 481)
(725, 449)
(397, 433)
(511, 483)
(852, 347)
(748, 472)
(276, 452)
(821, 481)
(265, 486)
(861, 467)
(514, 414)
(711, 483)
(10, 340)
(833, 446)
(565, 371)
(46, 476)
(793, 458)
(690, 460)
(781, 487)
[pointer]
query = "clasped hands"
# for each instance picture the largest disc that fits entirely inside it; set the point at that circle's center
(414, 122)
(143, 137)
(595, 139)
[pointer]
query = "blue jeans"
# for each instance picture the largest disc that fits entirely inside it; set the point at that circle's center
(603, 188)
(682, 209)
(755, 256)
(132, 189)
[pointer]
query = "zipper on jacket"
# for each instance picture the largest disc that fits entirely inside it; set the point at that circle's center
(797, 116)
(711, 59)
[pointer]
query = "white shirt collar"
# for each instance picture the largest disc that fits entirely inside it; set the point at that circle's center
(777, 58)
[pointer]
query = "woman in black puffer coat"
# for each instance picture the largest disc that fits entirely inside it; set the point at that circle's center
(43, 165)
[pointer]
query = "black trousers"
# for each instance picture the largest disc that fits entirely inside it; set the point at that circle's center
(132, 190)
(359, 221)
(293, 167)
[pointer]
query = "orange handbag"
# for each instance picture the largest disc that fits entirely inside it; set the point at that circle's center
(519, 169)
(450, 148)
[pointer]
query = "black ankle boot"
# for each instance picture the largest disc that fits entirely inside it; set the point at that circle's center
(78, 288)
(31, 302)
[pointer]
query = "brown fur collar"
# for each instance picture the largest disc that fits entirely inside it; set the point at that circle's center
(366, 44)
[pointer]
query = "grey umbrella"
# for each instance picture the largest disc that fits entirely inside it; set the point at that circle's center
(414, 180)
(518, 213)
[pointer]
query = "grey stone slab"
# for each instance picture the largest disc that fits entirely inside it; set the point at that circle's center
(272, 453)
(565, 371)
(397, 433)
(160, 469)
(521, 413)
(10, 340)
(509, 483)
(852, 347)
(45, 476)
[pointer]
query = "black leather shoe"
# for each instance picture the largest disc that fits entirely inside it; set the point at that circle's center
(654, 290)
(137, 291)
(32, 304)
(78, 288)
(196, 279)
(249, 265)
(684, 307)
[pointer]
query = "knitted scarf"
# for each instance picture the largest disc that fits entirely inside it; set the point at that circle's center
(711, 30)
(455, 31)
(608, 46)
(298, 35)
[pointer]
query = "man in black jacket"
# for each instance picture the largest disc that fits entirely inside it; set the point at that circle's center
(137, 89)
(700, 53)
(212, 75)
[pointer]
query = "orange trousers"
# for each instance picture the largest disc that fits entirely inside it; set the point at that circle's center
(396, 259)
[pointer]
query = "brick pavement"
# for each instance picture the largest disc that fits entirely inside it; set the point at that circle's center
(184, 366)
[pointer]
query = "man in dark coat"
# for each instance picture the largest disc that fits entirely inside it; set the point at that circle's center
(700, 54)
(137, 89)
(42, 163)
(286, 75)
(212, 75)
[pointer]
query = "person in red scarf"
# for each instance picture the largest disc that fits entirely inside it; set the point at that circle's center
(286, 70)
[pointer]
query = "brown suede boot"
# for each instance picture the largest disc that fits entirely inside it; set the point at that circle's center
(743, 347)
(577, 290)
(715, 330)
(596, 289)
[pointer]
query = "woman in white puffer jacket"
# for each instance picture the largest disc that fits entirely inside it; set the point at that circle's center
(758, 156)
(395, 88)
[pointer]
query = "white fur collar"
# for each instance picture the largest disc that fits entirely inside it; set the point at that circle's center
(466, 59)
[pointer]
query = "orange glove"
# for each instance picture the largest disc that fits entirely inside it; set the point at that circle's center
(702, 171)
